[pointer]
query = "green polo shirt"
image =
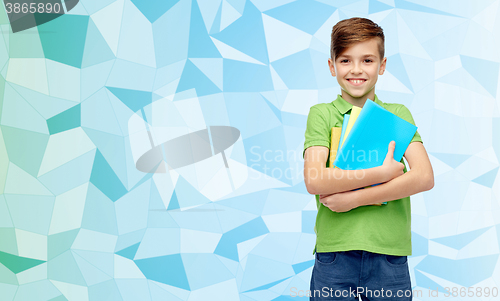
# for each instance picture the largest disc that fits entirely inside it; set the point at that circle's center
(382, 229)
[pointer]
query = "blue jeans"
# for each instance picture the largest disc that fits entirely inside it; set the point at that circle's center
(373, 276)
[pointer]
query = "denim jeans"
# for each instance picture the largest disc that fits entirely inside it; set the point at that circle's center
(373, 276)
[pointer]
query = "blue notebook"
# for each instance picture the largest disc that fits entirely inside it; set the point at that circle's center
(367, 143)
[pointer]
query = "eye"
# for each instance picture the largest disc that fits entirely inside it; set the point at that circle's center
(344, 61)
(368, 61)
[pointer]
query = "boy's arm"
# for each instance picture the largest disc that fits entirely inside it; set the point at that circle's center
(321, 180)
(419, 178)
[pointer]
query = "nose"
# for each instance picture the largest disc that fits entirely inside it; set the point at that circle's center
(356, 68)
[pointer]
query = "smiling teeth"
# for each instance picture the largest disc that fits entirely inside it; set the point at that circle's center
(356, 81)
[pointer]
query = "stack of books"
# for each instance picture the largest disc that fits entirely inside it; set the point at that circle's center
(364, 138)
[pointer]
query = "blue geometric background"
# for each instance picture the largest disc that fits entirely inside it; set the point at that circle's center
(87, 96)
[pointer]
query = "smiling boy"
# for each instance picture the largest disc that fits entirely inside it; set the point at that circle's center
(360, 249)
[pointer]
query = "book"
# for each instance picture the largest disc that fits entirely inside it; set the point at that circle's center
(344, 127)
(338, 134)
(334, 143)
(368, 132)
(351, 121)
(336, 140)
(366, 145)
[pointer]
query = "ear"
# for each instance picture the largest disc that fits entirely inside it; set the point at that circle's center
(331, 65)
(382, 66)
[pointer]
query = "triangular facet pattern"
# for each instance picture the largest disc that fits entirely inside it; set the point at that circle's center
(152, 150)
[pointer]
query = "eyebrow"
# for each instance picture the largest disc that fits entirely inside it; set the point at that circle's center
(365, 55)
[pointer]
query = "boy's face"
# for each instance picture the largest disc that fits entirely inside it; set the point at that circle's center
(357, 70)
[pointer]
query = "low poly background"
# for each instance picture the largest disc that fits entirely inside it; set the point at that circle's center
(79, 95)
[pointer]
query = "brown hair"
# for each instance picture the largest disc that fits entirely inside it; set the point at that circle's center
(353, 30)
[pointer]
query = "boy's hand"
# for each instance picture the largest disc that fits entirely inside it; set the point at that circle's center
(338, 202)
(392, 168)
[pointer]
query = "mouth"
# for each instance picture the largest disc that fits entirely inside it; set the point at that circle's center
(356, 81)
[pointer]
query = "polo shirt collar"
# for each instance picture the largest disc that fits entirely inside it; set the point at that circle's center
(343, 106)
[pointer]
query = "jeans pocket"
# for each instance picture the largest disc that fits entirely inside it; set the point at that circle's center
(396, 260)
(326, 257)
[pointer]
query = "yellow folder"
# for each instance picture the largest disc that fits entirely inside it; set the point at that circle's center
(354, 115)
(334, 145)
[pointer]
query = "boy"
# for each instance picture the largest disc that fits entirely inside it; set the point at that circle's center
(361, 249)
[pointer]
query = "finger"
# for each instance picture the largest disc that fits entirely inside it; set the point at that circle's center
(392, 146)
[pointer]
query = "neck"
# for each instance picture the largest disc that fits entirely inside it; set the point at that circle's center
(357, 101)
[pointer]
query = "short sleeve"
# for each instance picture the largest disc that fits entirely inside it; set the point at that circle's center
(404, 113)
(317, 131)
